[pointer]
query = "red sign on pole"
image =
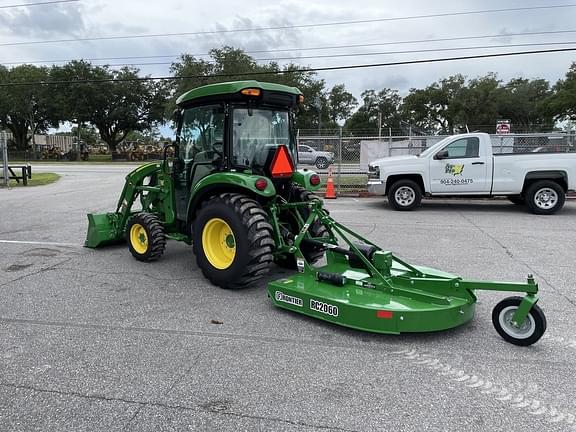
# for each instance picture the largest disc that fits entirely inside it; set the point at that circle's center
(503, 127)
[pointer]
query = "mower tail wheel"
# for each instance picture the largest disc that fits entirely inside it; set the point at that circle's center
(528, 333)
(146, 237)
(232, 240)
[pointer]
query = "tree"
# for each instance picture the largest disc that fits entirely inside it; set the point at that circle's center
(562, 104)
(340, 103)
(435, 108)
(228, 63)
(128, 104)
(26, 109)
(115, 101)
(476, 106)
(385, 105)
(78, 89)
(522, 101)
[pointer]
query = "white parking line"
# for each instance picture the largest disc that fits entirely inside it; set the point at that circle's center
(40, 243)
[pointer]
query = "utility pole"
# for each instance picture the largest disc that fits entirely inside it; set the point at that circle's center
(4, 153)
(319, 105)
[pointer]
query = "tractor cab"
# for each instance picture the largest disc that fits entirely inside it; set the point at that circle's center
(233, 127)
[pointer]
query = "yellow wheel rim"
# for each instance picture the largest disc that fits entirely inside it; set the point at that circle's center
(139, 239)
(218, 243)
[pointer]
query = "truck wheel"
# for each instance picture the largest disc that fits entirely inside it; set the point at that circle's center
(528, 333)
(404, 195)
(545, 197)
(232, 240)
(146, 237)
(322, 163)
(311, 253)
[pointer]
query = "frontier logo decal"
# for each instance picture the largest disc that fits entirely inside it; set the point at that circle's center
(284, 298)
(454, 169)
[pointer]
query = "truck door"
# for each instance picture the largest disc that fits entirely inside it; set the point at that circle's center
(460, 167)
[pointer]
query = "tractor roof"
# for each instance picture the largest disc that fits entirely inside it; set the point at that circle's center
(233, 88)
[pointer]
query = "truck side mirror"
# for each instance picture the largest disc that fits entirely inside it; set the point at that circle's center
(442, 154)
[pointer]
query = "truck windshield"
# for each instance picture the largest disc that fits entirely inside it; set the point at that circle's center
(434, 147)
(257, 133)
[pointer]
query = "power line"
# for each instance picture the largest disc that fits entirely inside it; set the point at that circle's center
(406, 42)
(37, 4)
(301, 70)
(286, 27)
(372, 53)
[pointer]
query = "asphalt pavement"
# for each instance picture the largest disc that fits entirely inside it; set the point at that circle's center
(93, 340)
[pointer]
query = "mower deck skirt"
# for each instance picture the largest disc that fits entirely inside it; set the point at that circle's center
(371, 309)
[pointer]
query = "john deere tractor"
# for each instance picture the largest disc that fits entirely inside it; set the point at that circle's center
(230, 188)
(234, 156)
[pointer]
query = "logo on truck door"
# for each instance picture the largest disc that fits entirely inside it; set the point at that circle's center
(454, 169)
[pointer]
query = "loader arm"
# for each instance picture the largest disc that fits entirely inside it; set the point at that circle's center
(156, 197)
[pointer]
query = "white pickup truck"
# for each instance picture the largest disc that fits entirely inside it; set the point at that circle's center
(464, 165)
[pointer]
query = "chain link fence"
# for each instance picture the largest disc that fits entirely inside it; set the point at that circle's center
(352, 154)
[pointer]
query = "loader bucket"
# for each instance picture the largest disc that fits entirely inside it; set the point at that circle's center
(103, 230)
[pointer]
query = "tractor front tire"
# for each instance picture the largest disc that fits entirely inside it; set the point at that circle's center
(232, 240)
(146, 237)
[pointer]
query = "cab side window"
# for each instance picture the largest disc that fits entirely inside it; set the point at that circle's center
(464, 148)
(202, 128)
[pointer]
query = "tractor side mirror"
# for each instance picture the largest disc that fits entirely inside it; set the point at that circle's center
(442, 154)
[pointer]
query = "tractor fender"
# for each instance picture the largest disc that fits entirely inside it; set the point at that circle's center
(217, 183)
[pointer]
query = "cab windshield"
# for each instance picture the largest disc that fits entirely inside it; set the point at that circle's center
(257, 133)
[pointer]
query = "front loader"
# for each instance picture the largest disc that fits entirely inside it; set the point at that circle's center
(231, 189)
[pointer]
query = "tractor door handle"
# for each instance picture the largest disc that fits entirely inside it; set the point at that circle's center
(477, 163)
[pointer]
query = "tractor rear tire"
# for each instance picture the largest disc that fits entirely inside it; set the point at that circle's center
(233, 240)
(311, 253)
(146, 237)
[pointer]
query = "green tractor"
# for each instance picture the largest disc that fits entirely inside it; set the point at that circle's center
(233, 156)
(230, 188)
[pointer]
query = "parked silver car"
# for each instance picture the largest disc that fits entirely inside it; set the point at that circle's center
(321, 159)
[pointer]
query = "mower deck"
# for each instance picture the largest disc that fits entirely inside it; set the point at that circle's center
(360, 305)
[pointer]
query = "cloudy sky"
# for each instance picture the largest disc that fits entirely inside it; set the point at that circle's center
(100, 18)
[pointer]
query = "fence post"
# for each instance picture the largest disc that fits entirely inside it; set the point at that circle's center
(390, 142)
(4, 150)
(339, 159)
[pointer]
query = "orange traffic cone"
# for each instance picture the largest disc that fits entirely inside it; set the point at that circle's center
(330, 191)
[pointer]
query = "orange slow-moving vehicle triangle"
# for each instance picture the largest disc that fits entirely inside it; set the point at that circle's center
(282, 165)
